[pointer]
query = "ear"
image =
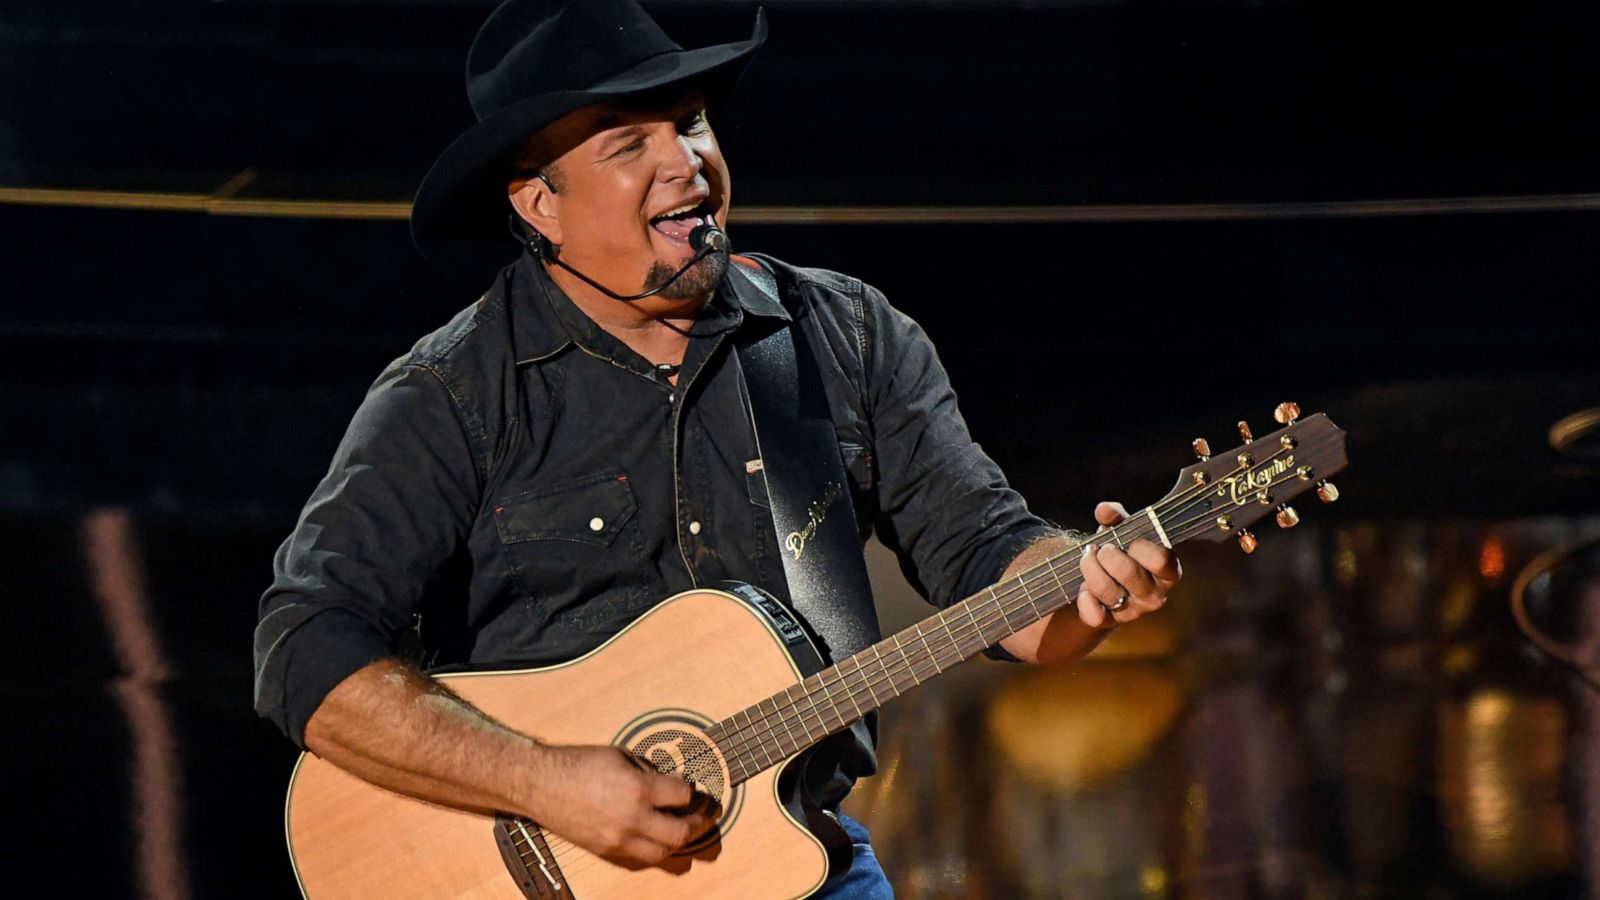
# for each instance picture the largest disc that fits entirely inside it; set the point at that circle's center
(537, 204)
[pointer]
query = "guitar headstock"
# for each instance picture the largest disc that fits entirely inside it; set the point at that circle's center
(1221, 496)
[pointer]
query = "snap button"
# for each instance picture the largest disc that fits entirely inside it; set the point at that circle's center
(596, 523)
(694, 527)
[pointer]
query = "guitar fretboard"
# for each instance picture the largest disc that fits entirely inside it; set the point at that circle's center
(829, 701)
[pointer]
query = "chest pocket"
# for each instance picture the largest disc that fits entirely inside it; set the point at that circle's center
(577, 554)
(594, 510)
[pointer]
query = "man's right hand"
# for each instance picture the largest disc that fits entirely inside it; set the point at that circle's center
(395, 727)
(617, 807)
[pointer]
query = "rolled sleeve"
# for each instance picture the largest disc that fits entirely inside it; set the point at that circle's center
(395, 505)
(319, 647)
(945, 507)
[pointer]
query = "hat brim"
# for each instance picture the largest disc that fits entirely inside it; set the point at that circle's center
(460, 208)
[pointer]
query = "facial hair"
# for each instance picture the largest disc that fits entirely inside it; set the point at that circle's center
(699, 281)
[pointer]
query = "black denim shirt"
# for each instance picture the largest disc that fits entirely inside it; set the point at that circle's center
(521, 485)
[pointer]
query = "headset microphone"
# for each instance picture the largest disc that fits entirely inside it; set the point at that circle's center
(706, 239)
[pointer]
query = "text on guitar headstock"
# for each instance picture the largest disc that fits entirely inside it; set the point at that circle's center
(1221, 496)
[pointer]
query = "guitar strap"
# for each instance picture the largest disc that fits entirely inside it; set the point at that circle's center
(807, 489)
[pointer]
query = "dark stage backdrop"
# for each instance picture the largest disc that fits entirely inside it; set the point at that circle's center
(1124, 225)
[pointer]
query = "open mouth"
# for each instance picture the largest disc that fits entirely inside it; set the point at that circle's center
(676, 224)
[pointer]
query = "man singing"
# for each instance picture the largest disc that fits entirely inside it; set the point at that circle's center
(539, 472)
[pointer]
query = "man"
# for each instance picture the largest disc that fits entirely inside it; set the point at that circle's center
(563, 459)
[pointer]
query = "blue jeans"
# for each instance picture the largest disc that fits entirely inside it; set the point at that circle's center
(865, 879)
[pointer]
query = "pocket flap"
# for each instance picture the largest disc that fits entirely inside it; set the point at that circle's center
(589, 510)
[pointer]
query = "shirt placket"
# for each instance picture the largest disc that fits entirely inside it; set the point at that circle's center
(687, 526)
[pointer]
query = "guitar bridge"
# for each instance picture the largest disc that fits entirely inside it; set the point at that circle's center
(528, 858)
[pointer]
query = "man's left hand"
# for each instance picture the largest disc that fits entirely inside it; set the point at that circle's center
(1144, 574)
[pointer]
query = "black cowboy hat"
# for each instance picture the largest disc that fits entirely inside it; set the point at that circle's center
(533, 62)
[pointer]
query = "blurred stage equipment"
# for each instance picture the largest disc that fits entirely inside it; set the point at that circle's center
(1578, 434)
(1553, 601)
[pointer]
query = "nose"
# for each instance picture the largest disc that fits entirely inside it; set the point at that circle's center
(682, 158)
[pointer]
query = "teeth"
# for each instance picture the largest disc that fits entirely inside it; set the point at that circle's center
(679, 211)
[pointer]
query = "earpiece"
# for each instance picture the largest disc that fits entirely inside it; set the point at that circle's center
(531, 239)
(541, 246)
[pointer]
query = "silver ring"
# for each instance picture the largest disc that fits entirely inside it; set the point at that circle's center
(1120, 605)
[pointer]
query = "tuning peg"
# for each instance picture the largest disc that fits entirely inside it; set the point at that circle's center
(1287, 517)
(1287, 413)
(1326, 492)
(1247, 542)
(1244, 432)
(1201, 449)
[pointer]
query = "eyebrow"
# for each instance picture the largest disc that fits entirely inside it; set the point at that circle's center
(613, 122)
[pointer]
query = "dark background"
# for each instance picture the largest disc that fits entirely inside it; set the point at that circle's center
(197, 369)
(1107, 335)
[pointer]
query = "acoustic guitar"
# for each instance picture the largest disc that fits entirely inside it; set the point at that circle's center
(725, 688)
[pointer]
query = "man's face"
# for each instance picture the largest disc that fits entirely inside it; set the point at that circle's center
(633, 180)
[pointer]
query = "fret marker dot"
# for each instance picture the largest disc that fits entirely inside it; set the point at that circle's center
(596, 523)
(694, 527)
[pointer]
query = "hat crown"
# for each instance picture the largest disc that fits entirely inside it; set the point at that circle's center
(531, 47)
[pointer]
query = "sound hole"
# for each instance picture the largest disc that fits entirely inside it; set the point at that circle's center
(674, 751)
(679, 752)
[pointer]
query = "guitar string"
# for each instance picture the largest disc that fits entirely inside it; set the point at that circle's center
(1027, 580)
(795, 727)
(761, 730)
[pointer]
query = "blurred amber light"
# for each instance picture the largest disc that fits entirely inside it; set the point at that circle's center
(1500, 771)
(1075, 730)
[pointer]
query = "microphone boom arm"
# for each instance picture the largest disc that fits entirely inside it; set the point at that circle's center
(706, 239)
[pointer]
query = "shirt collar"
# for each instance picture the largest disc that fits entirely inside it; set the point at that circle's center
(747, 294)
(546, 321)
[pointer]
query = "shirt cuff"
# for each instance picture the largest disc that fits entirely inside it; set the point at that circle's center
(996, 559)
(306, 664)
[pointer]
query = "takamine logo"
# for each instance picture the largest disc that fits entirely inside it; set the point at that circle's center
(1244, 487)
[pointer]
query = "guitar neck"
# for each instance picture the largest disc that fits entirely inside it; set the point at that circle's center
(834, 698)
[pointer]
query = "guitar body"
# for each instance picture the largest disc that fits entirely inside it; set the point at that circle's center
(692, 661)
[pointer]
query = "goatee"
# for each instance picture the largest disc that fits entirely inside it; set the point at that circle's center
(700, 280)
